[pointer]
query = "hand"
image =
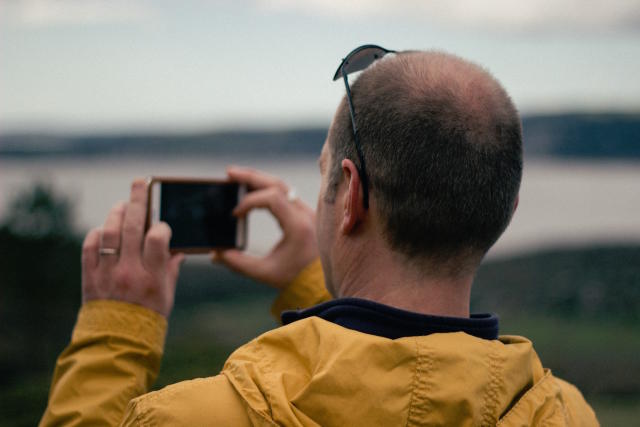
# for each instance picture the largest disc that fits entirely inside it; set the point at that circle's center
(298, 246)
(120, 263)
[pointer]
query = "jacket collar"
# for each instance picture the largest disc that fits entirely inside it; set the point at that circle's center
(385, 321)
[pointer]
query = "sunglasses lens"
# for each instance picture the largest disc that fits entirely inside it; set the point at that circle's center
(362, 59)
(359, 59)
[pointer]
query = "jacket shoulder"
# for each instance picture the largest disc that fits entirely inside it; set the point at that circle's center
(578, 410)
(550, 402)
(202, 401)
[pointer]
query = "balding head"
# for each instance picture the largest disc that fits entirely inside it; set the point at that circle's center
(442, 143)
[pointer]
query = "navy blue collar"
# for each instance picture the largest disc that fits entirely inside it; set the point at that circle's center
(382, 320)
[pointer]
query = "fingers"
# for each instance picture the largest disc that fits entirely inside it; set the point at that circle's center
(270, 198)
(156, 246)
(134, 221)
(254, 179)
(112, 230)
(90, 248)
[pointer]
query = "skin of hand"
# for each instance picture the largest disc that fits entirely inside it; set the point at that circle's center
(298, 245)
(142, 271)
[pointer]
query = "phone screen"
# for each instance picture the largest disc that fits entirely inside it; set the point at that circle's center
(199, 214)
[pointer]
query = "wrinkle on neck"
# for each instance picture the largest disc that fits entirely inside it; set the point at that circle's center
(375, 273)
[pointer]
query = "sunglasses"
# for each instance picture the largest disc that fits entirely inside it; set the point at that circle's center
(357, 60)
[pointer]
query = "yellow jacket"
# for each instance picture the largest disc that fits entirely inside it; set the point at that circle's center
(311, 372)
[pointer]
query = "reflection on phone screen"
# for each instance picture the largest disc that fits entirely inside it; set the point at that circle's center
(199, 214)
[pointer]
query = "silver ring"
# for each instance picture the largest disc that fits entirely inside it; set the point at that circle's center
(108, 251)
(292, 195)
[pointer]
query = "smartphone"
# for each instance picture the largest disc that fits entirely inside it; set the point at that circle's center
(199, 212)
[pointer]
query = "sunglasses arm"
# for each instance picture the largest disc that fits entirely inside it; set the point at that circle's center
(351, 110)
(362, 169)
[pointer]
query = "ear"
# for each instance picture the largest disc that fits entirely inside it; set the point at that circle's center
(353, 209)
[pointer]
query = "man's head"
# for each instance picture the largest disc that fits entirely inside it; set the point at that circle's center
(442, 143)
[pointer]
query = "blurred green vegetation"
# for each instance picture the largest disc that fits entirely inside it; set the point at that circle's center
(581, 308)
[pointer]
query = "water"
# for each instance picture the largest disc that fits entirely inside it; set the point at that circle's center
(561, 203)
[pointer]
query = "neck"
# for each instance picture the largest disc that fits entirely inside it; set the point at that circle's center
(378, 274)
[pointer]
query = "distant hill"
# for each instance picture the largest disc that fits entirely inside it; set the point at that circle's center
(602, 135)
(261, 143)
(583, 135)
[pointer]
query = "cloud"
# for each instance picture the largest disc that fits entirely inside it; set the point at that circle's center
(504, 16)
(491, 15)
(48, 13)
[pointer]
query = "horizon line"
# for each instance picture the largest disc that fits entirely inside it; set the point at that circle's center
(42, 128)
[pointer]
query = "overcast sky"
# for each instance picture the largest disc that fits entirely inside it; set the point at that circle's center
(98, 65)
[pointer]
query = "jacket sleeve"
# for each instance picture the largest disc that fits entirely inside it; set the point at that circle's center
(306, 290)
(114, 356)
(203, 401)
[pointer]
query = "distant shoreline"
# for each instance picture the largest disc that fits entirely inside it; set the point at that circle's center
(566, 136)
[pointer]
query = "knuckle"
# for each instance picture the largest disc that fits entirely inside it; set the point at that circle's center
(156, 239)
(159, 233)
(132, 228)
(110, 234)
(123, 276)
(281, 199)
(274, 192)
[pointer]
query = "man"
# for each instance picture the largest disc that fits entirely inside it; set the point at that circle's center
(420, 176)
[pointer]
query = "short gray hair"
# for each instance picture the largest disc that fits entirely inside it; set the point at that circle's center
(442, 142)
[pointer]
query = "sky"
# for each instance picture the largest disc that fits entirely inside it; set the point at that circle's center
(140, 65)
